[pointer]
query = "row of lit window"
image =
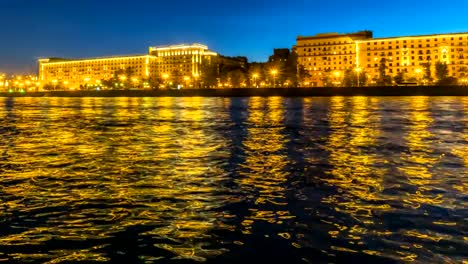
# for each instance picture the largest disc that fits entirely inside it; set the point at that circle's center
(327, 58)
(329, 63)
(179, 53)
(330, 48)
(413, 40)
(110, 61)
(428, 57)
(132, 63)
(375, 69)
(314, 43)
(327, 53)
(391, 70)
(421, 52)
(412, 46)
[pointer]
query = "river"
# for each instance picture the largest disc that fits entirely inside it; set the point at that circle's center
(234, 180)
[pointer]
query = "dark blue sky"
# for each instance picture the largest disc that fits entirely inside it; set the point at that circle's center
(80, 28)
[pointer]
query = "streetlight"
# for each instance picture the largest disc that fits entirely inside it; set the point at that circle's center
(186, 79)
(196, 75)
(274, 72)
(55, 84)
(255, 76)
(337, 77)
(135, 81)
(418, 74)
(358, 71)
(165, 77)
(2, 80)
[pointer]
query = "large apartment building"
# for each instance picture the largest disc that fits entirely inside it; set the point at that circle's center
(182, 60)
(331, 54)
(323, 53)
(174, 62)
(409, 54)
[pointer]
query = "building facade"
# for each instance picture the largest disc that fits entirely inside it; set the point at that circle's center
(168, 62)
(182, 60)
(75, 74)
(328, 56)
(410, 55)
(325, 53)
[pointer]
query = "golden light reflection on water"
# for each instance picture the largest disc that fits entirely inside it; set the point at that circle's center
(263, 176)
(462, 152)
(420, 158)
(359, 182)
(360, 174)
(103, 152)
(154, 173)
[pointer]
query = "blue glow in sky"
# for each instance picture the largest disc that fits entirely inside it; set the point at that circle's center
(87, 28)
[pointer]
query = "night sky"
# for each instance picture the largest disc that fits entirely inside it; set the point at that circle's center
(31, 29)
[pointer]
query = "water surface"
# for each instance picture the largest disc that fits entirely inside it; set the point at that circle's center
(241, 180)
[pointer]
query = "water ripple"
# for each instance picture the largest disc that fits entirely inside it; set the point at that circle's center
(297, 180)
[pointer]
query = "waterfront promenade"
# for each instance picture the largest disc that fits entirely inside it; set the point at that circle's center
(247, 92)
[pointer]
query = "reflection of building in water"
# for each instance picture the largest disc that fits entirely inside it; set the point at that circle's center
(162, 174)
(420, 159)
(263, 175)
(353, 136)
(189, 177)
(423, 190)
(463, 151)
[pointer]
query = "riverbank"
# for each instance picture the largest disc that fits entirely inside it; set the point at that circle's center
(247, 92)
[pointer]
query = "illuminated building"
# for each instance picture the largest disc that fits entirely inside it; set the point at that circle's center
(168, 62)
(75, 74)
(181, 60)
(18, 83)
(331, 54)
(325, 53)
(409, 54)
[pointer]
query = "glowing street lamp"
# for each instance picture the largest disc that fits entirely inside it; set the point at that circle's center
(196, 76)
(255, 76)
(186, 79)
(358, 71)
(55, 84)
(418, 72)
(464, 81)
(165, 77)
(274, 72)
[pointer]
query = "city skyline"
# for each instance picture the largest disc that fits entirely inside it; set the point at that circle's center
(245, 28)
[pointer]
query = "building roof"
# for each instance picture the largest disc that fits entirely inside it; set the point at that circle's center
(179, 46)
(365, 33)
(417, 36)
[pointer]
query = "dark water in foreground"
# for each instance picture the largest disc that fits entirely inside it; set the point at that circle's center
(242, 180)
